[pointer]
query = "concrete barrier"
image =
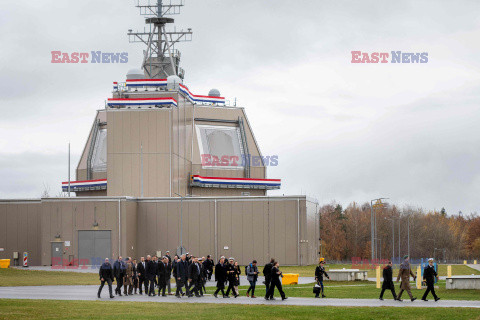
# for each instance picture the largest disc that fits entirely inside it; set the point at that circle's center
(463, 282)
(348, 274)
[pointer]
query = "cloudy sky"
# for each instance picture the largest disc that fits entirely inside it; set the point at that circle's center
(342, 131)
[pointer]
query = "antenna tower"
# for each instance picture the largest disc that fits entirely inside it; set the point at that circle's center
(161, 59)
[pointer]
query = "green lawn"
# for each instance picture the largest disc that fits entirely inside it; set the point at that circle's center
(18, 277)
(361, 290)
(309, 271)
(45, 309)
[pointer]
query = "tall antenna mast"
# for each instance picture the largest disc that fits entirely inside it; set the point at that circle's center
(161, 59)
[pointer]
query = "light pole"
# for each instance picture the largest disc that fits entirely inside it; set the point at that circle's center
(393, 237)
(373, 224)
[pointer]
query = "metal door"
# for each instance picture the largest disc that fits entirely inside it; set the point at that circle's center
(94, 246)
(57, 252)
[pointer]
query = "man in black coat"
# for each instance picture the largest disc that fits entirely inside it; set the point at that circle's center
(208, 265)
(119, 271)
(276, 274)
(168, 275)
(150, 273)
(267, 272)
(142, 280)
(231, 276)
(429, 275)
(106, 275)
(220, 277)
(182, 276)
(193, 277)
(388, 281)
(162, 275)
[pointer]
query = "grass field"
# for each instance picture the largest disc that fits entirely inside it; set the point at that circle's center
(44, 309)
(309, 271)
(20, 277)
(333, 289)
(361, 290)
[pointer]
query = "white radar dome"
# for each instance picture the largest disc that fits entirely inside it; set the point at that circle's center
(133, 74)
(173, 82)
(214, 93)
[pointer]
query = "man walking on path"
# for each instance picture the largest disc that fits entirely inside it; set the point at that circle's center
(429, 275)
(182, 276)
(252, 276)
(106, 275)
(220, 277)
(267, 272)
(404, 273)
(119, 273)
(388, 281)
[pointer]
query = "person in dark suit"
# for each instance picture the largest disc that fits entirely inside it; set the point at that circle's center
(150, 273)
(319, 272)
(208, 265)
(169, 274)
(193, 277)
(182, 276)
(162, 275)
(231, 276)
(267, 272)
(135, 276)
(142, 280)
(276, 282)
(388, 281)
(106, 275)
(119, 273)
(203, 277)
(220, 277)
(429, 275)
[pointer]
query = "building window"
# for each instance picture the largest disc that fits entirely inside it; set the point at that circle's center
(220, 147)
(99, 155)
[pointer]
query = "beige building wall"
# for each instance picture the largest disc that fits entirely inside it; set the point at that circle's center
(20, 230)
(246, 228)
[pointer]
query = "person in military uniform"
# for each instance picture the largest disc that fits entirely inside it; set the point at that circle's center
(429, 275)
(128, 280)
(319, 272)
(106, 275)
(404, 273)
(388, 281)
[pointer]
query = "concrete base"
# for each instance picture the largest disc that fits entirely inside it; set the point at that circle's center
(463, 282)
(347, 275)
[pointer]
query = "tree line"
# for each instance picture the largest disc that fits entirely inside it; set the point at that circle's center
(346, 233)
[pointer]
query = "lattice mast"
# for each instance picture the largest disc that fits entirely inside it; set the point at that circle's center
(161, 59)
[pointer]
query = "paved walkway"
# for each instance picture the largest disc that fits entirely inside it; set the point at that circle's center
(88, 293)
(474, 266)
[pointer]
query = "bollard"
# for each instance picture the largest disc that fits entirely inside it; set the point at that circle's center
(464, 261)
(419, 277)
(449, 271)
(378, 277)
(474, 261)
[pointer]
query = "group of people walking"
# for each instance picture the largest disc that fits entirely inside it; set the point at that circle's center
(429, 275)
(189, 272)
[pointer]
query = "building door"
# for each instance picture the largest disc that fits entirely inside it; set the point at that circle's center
(94, 246)
(57, 253)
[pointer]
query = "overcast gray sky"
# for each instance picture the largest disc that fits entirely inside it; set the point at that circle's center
(342, 131)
